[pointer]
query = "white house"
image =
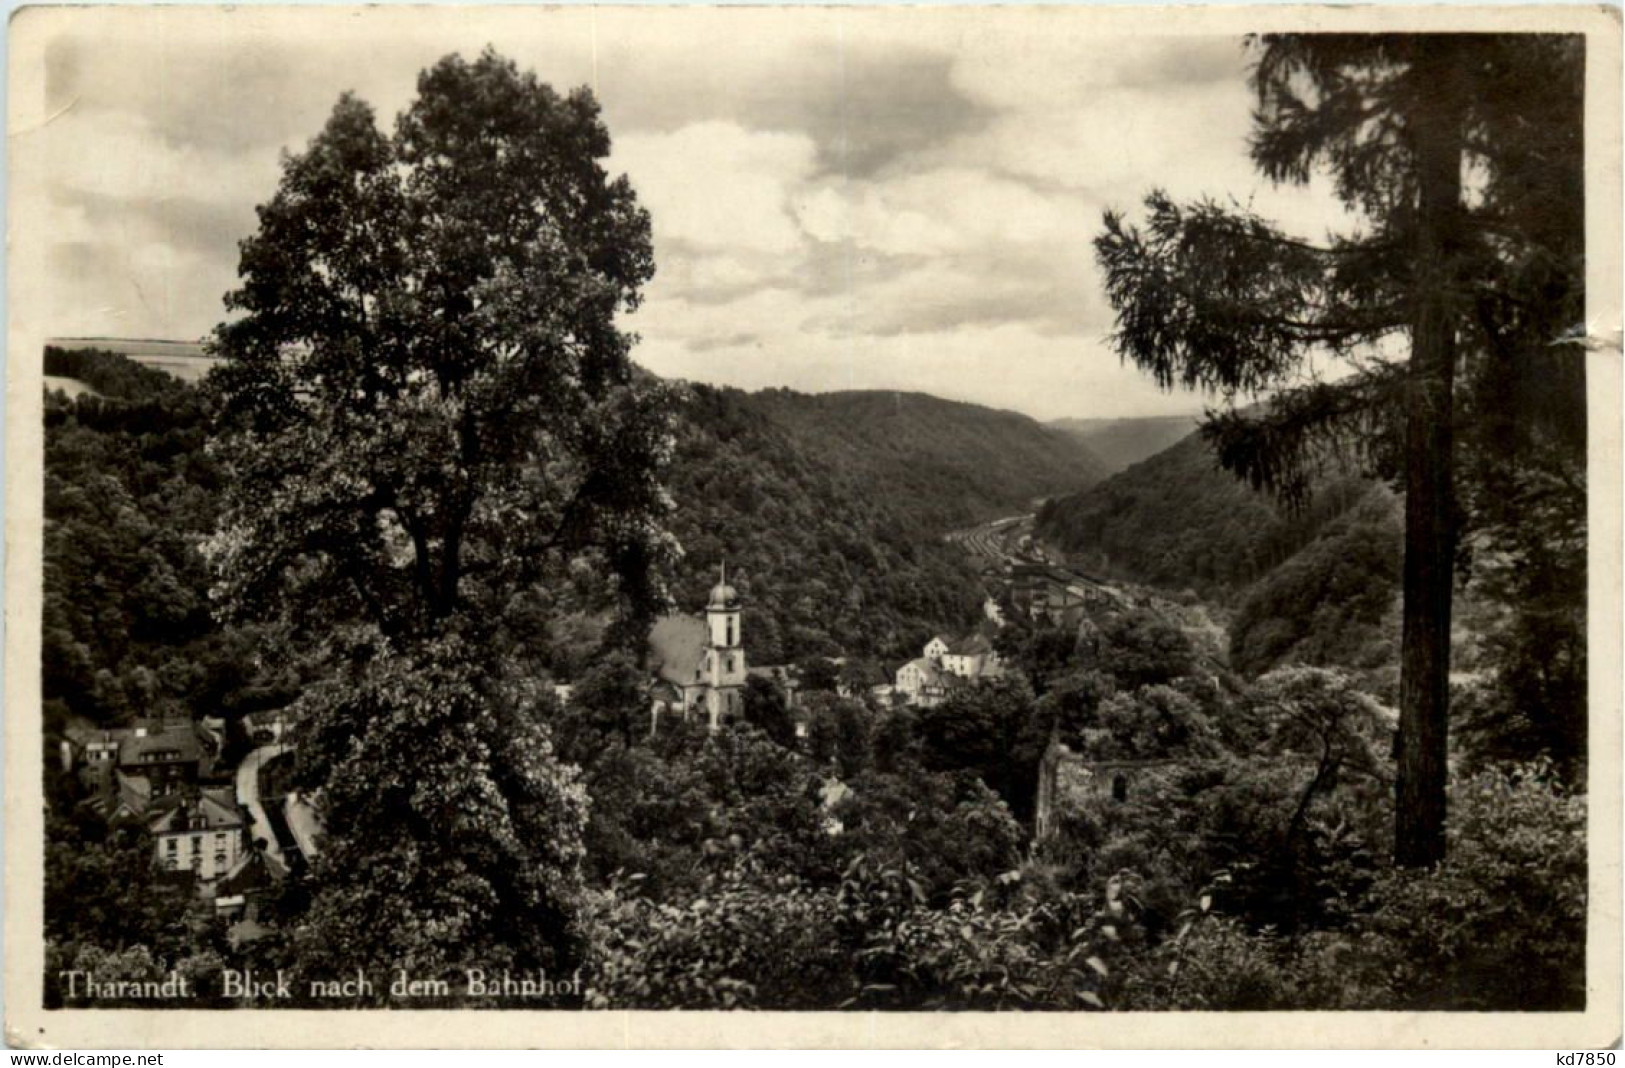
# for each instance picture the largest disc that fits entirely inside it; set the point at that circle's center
(972, 657)
(924, 683)
(203, 834)
(927, 681)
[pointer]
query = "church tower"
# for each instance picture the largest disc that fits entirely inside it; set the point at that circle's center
(725, 652)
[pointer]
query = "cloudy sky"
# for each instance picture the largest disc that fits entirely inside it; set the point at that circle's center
(876, 199)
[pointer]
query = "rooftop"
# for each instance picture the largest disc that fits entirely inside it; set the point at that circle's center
(217, 808)
(973, 644)
(173, 742)
(677, 646)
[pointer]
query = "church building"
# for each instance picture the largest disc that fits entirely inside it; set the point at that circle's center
(699, 664)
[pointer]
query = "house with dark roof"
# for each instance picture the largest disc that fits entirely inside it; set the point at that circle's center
(972, 657)
(205, 833)
(169, 754)
(201, 830)
(256, 875)
(123, 800)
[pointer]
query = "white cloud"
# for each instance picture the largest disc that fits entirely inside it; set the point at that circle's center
(826, 214)
(937, 212)
(1007, 365)
(120, 155)
(717, 186)
(1054, 63)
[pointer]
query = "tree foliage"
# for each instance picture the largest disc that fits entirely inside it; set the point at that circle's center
(1140, 648)
(425, 351)
(1514, 888)
(767, 708)
(129, 494)
(427, 412)
(1330, 604)
(989, 729)
(454, 832)
(609, 704)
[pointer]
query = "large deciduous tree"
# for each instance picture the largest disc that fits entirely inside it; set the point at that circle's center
(429, 415)
(1461, 155)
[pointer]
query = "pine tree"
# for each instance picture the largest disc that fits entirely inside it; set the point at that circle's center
(1462, 155)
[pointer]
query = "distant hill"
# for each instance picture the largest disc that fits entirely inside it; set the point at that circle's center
(827, 561)
(830, 553)
(186, 360)
(1319, 586)
(1334, 602)
(1118, 443)
(104, 372)
(828, 510)
(1177, 520)
(943, 463)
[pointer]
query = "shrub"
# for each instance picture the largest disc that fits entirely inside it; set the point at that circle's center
(743, 943)
(1499, 926)
(1000, 947)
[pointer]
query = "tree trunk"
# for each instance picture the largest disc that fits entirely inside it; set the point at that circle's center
(1424, 682)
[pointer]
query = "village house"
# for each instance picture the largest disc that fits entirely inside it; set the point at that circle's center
(946, 664)
(155, 775)
(924, 683)
(201, 830)
(972, 657)
(203, 833)
(170, 754)
(122, 799)
(239, 893)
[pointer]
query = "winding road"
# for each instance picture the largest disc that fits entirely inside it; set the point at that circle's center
(301, 819)
(248, 794)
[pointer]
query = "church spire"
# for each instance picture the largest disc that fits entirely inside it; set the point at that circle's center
(723, 596)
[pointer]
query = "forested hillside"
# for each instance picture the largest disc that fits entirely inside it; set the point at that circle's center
(1118, 443)
(942, 463)
(129, 495)
(827, 563)
(1177, 521)
(1334, 603)
(1204, 751)
(936, 803)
